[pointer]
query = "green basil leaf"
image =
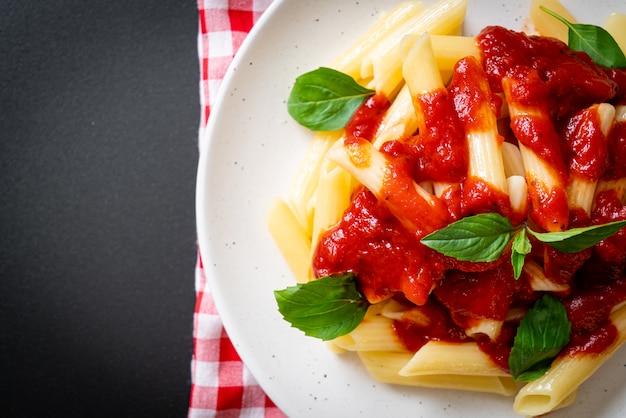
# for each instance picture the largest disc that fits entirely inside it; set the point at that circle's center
(325, 99)
(325, 308)
(478, 238)
(577, 239)
(519, 248)
(593, 40)
(541, 335)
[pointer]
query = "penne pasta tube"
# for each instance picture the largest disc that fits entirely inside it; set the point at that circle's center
(399, 122)
(383, 65)
(470, 89)
(512, 160)
(546, 179)
(419, 66)
(333, 195)
(350, 62)
(302, 191)
(617, 185)
(615, 24)
(539, 281)
(547, 25)
(444, 358)
(419, 211)
(518, 194)
(489, 327)
(291, 239)
(587, 133)
(620, 113)
(566, 374)
(449, 49)
(385, 367)
(374, 333)
(545, 187)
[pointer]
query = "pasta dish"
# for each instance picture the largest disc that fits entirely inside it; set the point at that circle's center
(459, 219)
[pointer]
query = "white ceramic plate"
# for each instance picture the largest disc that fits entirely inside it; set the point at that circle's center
(251, 153)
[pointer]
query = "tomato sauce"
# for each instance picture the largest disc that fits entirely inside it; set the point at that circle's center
(372, 243)
(390, 262)
(438, 326)
(367, 118)
(587, 146)
(616, 168)
(559, 78)
(439, 150)
(589, 310)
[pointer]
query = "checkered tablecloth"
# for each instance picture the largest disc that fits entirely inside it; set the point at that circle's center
(221, 384)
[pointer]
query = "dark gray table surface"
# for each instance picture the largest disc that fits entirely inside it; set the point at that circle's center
(99, 117)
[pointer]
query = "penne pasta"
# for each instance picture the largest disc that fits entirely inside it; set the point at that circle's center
(546, 25)
(378, 174)
(567, 373)
(518, 194)
(437, 358)
(616, 185)
(489, 327)
(399, 122)
(588, 132)
(512, 160)
(470, 87)
(385, 367)
(349, 62)
(333, 194)
(615, 24)
(538, 280)
(545, 178)
(374, 333)
(383, 65)
(302, 191)
(291, 239)
(449, 50)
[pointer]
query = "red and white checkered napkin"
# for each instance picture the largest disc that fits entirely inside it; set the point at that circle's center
(221, 384)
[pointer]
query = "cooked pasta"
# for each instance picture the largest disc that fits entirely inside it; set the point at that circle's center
(472, 127)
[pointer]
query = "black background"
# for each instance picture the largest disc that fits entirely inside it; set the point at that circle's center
(99, 114)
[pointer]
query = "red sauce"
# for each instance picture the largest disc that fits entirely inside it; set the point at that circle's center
(610, 253)
(438, 326)
(587, 145)
(367, 118)
(472, 96)
(589, 310)
(399, 193)
(618, 76)
(564, 79)
(500, 349)
(390, 262)
(480, 197)
(594, 342)
(370, 241)
(537, 132)
(473, 296)
(616, 168)
(561, 267)
(440, 149)
(550, 209)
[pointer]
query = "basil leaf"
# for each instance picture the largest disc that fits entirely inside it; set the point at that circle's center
(519, 248)
(325, 99)
(577, 239)
(478, 238)
(593, 40)
(541, 335)
(325, 308)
